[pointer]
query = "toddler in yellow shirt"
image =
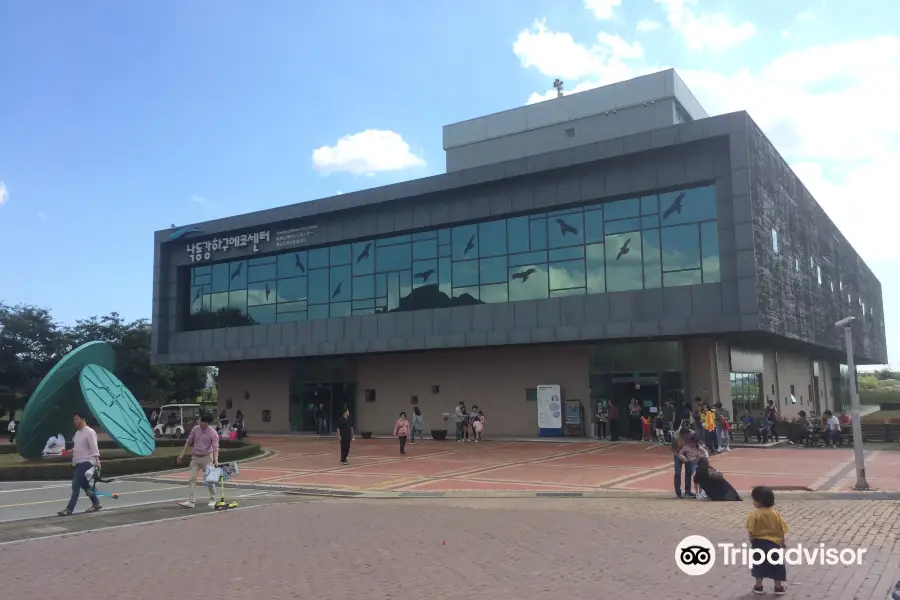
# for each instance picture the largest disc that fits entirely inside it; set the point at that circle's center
(767, 531)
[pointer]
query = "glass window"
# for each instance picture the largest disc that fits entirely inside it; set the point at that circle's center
(381, 286)
(517, 231)
(528, 282)
(593, 226)
(393, 296)
(262, 314)
(565, 230)
(262, 260)
(424, 249)
(527, 258)
(679, 278)
(566, 253)
(709, 242)
(565, 275)
(289, 307)
(317, 312)
(465, 273)
(538, 227)
(340, 309)
(493, 294)
(261, 292)
(652, 260)
(623, 226)
(393, 258)
(492, 270)
(201, 279)
(424, 235)
(363, 258)
(196, 299)
(318, 291)
(406, 284)
(688, 206)
(465, 242)
(650, 205)
(650, 222)
(318, 258)
(220, 275)
(339, 284)
(291, 317)
(774, 241)
(201, 271)
(596, 269)
(492, 238)
(363, 287)
(218, 301)
(622, 209)
(443, 236)
(568, 292)
(292, 290)
(256, 273)
(237, 300)
(425, 273)
(292, 264)
(680, 248)
(624, 268)
(237, 277)
(466, 295)
(444, 280)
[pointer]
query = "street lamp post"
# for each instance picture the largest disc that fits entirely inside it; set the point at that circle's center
(861, 483)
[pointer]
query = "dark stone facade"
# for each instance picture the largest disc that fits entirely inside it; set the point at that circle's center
(792, 301)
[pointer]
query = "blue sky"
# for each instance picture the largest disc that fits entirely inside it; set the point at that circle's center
(120, 118)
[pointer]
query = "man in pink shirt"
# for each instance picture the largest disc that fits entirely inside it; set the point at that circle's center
(85, 456)
(204, 444)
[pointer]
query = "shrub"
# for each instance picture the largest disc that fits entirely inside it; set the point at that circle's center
(61, 467)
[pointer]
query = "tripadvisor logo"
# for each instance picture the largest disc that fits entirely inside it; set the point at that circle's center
(696, 555)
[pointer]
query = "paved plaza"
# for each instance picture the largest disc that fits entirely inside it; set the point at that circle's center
(447, 466)
(440, 548)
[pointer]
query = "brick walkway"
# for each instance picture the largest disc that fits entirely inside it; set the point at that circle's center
(448, 549)
(545, 466)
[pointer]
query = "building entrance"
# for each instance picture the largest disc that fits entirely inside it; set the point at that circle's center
(321, 389)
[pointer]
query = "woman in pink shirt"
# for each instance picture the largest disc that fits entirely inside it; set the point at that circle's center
(401, 431)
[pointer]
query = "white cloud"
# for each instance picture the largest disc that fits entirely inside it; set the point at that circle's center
(705, 31)
(602, 9)
(785, 33)
(559, 55)
(198, 199)
(4, 193)
(368, 152)
(648, 25)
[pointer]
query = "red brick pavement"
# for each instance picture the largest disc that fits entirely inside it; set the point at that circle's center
(617, 548)
(546, 466)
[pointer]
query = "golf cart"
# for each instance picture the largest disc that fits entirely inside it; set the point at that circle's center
(176, 420)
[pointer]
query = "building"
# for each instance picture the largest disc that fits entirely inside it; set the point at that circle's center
(618, 243)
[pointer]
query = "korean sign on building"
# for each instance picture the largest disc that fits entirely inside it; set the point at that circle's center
(201, 251)
(296, 236)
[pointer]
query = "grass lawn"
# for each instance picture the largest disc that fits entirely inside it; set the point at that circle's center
(881, 415)
(11, 459)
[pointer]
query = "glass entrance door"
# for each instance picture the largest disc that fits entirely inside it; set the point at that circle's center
(316, 400)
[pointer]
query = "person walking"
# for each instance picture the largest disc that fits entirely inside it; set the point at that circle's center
(679, 439)
(85, 456)
(634, 419)
(723, 427)
(602, 419)
(11, 430)
(459, 417)
(401, 432)
(204, 444)
(418, 426)
(321, 420)
(771, 416)
(669, 424)
(613, 422)
(345, 435)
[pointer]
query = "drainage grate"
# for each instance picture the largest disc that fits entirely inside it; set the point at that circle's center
(559, 494)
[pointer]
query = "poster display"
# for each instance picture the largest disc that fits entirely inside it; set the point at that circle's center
(549, 407)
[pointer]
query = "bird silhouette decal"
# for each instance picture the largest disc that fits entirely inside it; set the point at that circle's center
(565, 228)
(675, 207)
(624, 249)
(337, 290)
(523, 275)
(298, 264)
(198, 294)
(470, 245)
(237, 272)
(268, 292)
(425, 275)
(364, 254)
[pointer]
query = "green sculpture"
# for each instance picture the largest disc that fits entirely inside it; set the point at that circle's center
(117, 410)
(82, 381)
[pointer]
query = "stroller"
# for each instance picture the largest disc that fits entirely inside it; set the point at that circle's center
(94, 477)
(220, 474)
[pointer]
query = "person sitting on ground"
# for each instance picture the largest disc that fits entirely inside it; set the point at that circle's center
(714, 484)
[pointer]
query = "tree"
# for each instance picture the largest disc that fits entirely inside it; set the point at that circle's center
(30, 344)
